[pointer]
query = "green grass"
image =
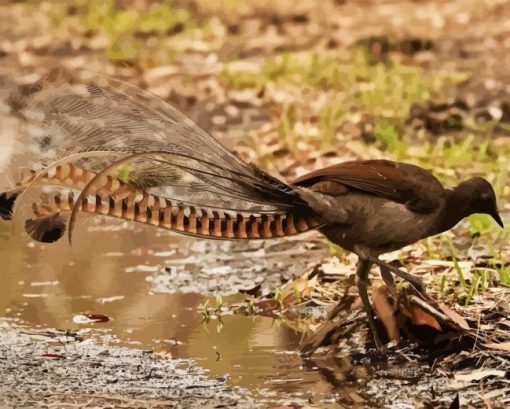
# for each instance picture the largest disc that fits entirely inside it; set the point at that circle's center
(460, 274)
(351, 81)
(388, 135)
(121, 27)
(504, 274)
(148, 37)
(499, 261)
(480, 278)
(302, 69)
(322, 91)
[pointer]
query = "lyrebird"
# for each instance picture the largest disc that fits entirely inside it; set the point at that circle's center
(119, 151)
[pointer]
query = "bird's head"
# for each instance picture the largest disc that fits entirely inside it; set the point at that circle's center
(479, 197)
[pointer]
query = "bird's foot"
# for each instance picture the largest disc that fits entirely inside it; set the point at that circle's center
(332, 330)
(379, 345)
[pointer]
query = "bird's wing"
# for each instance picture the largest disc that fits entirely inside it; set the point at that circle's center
(403, 183)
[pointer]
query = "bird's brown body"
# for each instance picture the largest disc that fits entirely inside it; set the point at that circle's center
(378, 225)
(377, 206)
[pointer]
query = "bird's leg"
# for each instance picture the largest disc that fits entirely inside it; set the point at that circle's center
(362, 279)
(387, 277)
(415, 281)
(324, 333)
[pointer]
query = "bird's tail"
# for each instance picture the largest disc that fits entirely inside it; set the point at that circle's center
(141, 159)
(116, 199)
(7, 200)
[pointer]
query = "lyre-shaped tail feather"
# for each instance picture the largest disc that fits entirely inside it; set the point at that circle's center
(142, 207)
(176, 175)
(7, 200)
(94, 122)
(65, 175)
(114, 198)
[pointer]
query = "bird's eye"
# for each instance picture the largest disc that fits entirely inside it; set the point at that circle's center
(486, 195)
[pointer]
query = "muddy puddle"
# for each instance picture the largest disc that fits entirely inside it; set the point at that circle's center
(151, 287)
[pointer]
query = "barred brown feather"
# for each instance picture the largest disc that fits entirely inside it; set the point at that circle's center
(121, 200)
(155, 211)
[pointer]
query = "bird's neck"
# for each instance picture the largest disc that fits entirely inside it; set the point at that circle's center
(457, 207)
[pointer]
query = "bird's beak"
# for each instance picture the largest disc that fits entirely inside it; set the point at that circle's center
(495, 215)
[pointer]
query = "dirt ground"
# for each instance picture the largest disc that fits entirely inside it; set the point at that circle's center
(59, 370)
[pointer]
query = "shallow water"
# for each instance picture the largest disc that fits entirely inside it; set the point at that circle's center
(151, 285)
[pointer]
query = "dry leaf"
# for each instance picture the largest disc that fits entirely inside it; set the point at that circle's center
(333, 267)
(266, 307)
(421, 317)
(301, 286)
(54, 356)
(503, 346)
(90, 318)
(479, 375)
(454, 316)
(385, 312)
